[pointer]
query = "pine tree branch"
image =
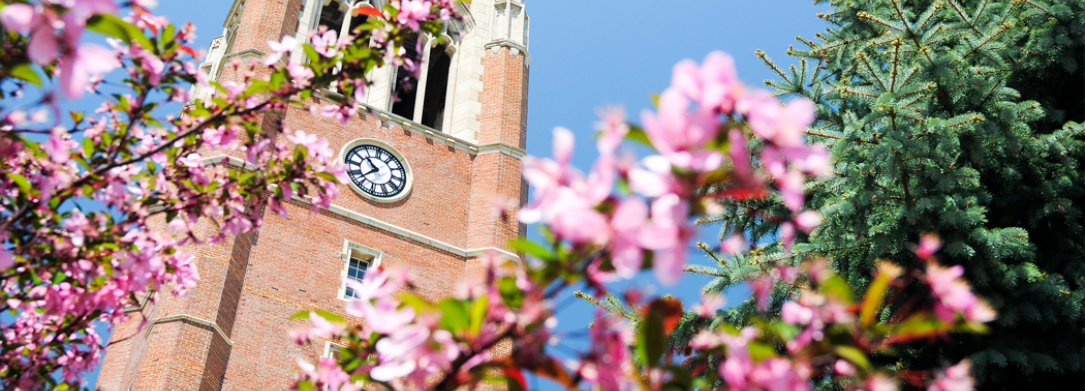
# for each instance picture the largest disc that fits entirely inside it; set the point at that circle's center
(588, 298)
(690, 269)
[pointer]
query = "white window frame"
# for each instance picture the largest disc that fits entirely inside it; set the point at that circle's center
(359, 251)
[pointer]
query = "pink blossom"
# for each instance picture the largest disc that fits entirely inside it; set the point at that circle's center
(18, 17)
(928, 245)
(714, 85)
(58, 146)
(808, 220)
(626, 253)
(667, 235)
(844, 368)
(880, 382)
(654, 178)
(384, 317)
(762, 288)
(709, 304)
(796, 314)
(304, 139)
(326, 44)
(343, 113)
(783, 125)
(278, 49)
(791, 190)
(954, 296)
(89, 60)
(680, 135)
(609, 363)
(955, 378)
(614, 129)
(192, 160)
(7, 259)
(77, 226)
(221, 136)
(328, 373)
(413, 11)
(300, 74)
(787, 234)
(733, 245)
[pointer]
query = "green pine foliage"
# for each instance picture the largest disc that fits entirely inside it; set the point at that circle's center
(962, 118)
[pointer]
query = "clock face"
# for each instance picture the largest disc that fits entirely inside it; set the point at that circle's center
(376, 171)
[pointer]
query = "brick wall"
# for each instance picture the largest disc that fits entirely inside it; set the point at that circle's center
(251, 285)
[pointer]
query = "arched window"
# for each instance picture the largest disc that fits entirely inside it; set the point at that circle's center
(423, 98)
(332, 16)
(433, 108)
(405, 91)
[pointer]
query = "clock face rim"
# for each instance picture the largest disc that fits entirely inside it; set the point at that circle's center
(409, 180)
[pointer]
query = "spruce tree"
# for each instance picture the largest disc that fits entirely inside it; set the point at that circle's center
(961, 118)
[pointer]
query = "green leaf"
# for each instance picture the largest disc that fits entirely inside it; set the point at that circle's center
(638, 134)
(455, 317)
(529, 247)
(26, 72)
(650, 339)
(305, 386)
(88, 148)
(854, 355)
(478, 313)
(114, 26)
(331, 317)
(24, 185)
(874, 294)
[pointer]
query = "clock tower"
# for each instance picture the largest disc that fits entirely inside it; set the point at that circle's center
(426, 171)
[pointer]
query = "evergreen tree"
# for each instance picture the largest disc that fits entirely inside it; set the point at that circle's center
(961, 118)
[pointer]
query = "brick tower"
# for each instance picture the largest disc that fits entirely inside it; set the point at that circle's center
(440, 156)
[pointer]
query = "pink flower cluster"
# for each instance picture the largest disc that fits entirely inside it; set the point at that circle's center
(953, 296)
(683, 131)
(609, 363)
(410, 348)
(742, 372)
(52, 32)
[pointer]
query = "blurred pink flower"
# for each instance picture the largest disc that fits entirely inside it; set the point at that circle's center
(928, 245)
(627, 254)
(326, 44)
(714, 84)
(733, 245)
(954, 295)
(955, 378)
(614, 129)
(680, 135)
(7, 259)
(783, 125)
(413, 11)
(278, 49)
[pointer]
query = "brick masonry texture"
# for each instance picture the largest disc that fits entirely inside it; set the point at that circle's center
(251, 285)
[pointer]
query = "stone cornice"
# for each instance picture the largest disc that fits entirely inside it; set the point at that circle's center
(244, 54)
(514, 47)
(505, 148)
(189, 318)
(414, 236)
(431, 133)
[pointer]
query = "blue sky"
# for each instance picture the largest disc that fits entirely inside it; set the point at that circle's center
(588, 54)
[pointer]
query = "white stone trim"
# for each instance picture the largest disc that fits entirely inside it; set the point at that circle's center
(348, 248)
(184, 317)
(142, 304)
(430, 133)
(229, 160)
(503, 148)
(413, 236)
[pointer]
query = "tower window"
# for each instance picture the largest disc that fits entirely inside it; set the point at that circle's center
(332, 16)
(356, 259)
(405, 92)
(355, 271)
(433, 108)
